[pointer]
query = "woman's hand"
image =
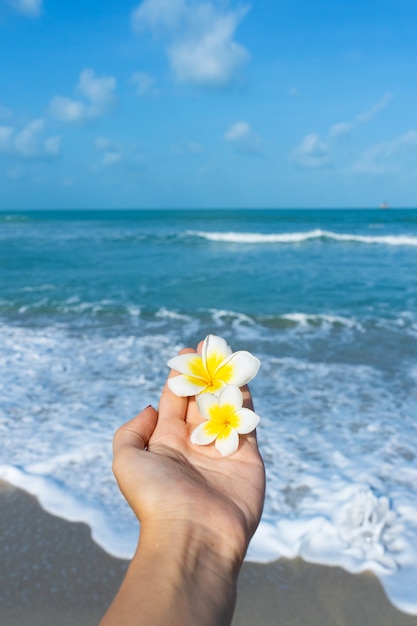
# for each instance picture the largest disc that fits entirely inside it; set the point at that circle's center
(196, 508)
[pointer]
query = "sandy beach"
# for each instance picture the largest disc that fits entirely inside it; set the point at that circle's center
(53, 573)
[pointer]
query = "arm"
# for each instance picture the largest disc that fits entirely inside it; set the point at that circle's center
(197, 512)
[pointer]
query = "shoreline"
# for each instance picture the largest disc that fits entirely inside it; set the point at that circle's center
(52, 572)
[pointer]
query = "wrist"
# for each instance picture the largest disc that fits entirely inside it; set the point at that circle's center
(193, 548)
(187, 575)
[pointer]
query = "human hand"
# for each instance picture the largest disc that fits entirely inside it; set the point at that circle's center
(172, 484)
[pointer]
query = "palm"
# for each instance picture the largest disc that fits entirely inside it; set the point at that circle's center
(179, 480)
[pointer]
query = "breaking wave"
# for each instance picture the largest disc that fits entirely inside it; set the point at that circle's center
(299, 237)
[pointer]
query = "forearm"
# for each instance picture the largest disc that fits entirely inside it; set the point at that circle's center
(178, 576)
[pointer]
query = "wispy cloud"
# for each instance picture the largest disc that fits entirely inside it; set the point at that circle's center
(111, 153)
(312, 153)
(241, 136)
(199, 39)
(159, 14)
(342, 129)
(119, 159)
(30, 8)
(29, 141)
(315, 152)
(369, 115)
(377, 160)
(98, 99)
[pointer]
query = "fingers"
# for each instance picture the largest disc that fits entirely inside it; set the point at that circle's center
(247, 398)
(135, 433)
(172, 407)
(129, 458)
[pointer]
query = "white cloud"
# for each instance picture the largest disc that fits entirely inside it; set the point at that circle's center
(343, 129)
(99, 99)
(158, 13)
(98, 90)
(210, 57)
(314, 152)
(241, 136)
(68, 110)
(111, 154)
(369, 115)
(237, 131)
(144, 83)
(53, 145)
(29, 142)
(31, 8)
(199, 37)
(340, 131)
(377, 160)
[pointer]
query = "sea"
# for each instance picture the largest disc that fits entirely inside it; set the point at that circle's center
(94, 303)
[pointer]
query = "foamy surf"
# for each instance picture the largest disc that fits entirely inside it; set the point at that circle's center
(300, 237)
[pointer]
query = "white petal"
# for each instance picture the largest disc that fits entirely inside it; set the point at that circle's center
(248, 421)
(245, 367)
(228, 445)
(200, 436)
(204, 402)
(183, 364)
(215, 346)
(231, 395)
(182, 386)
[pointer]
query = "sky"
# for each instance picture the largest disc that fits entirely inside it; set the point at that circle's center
(208, 104)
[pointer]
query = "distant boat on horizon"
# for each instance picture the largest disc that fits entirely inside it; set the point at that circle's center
(384, 205)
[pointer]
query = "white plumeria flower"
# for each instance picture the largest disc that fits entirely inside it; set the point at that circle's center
(226, 419)
(212, 370)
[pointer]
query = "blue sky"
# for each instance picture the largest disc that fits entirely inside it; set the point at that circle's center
(214, 103)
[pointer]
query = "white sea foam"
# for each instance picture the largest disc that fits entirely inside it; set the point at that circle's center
(173, 315)
(224, 317)
(46, 287)
(305, 320)
(299, 237)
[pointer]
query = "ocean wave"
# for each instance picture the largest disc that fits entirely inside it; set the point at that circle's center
(300, 237)
(305, 320)
(249, 325)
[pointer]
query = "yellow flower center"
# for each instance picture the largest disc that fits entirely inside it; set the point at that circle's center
(214, 380)
(224, 415)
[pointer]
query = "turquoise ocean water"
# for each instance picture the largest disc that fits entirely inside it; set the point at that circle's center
(93, 304)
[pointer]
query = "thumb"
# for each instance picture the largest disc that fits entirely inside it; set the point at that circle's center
(132, 438)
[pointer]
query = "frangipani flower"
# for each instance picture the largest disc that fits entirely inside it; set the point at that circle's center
(213, 369)
(226, 419)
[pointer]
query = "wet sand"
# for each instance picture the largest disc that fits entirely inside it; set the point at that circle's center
(53, 574)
